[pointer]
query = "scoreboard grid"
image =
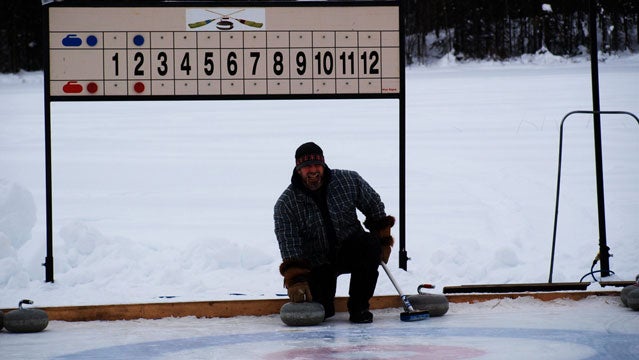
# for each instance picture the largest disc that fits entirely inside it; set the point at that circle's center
(262, 70)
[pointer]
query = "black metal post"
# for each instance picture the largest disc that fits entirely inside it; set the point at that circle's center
(48, 261)
(403, 254)
(604, 254)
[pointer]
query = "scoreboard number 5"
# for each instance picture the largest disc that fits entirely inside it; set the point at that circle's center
(209, 64)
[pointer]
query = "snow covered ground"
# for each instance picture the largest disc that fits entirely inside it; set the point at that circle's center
(156, 199)
(593, 328)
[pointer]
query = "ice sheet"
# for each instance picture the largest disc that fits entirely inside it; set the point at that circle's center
(594, 328)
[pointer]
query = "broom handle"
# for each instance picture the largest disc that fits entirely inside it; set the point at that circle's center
(392, 279)
(407, 304)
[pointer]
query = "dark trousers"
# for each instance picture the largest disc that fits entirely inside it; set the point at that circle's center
(359, 256)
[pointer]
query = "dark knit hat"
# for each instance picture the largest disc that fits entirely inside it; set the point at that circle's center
(308, 154)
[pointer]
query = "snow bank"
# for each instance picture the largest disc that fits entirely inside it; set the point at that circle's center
(17, 218)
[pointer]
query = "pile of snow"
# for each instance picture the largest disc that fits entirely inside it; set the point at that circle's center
(17, 218)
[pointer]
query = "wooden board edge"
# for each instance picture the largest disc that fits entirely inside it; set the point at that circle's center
(232, 308)
(515, 288)
(543, 296)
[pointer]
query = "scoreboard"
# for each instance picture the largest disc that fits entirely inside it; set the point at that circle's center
(258, 49)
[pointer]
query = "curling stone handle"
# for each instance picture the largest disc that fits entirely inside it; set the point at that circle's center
(25, 301)
(424, 286)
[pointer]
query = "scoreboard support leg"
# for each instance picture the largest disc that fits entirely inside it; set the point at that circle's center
(403, 254)
(48, 262)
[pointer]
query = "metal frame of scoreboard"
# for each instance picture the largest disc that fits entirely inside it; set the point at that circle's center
(222, 50)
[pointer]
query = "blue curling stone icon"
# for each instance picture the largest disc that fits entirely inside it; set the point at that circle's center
(72, 40)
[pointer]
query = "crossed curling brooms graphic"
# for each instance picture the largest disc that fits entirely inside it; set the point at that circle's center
(224, 23)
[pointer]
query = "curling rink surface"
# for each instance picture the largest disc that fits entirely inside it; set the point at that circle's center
(523, 328)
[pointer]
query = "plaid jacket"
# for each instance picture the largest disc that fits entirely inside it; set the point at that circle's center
(299, 226)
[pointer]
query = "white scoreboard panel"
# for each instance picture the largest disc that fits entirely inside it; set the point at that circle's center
(313, 49)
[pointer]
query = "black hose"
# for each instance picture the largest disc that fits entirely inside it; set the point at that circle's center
(592, 273)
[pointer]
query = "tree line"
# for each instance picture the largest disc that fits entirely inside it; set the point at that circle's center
(502, 29)
(468, 29)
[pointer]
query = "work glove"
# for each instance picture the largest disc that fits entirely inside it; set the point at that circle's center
(296, 274)
(300, 292)
(382, 229)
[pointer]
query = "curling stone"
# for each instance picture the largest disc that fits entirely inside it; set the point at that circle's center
(26, 320)
(302, 314)
(633, 299)
(625, 291)
(435, 304)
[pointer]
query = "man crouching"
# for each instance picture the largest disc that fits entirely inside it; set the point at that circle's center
(320, 236)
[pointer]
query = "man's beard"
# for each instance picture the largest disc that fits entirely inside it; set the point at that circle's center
(313, 181)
